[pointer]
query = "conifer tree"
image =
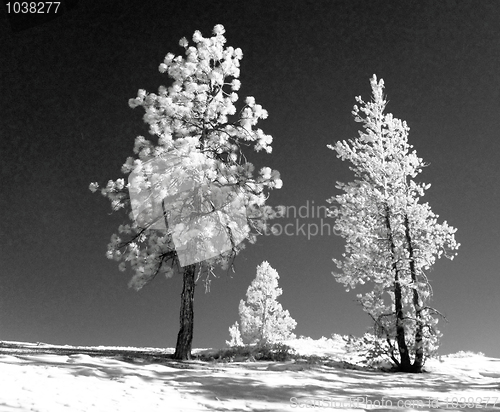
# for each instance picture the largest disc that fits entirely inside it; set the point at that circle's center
(262, 318)
(392, 239)
(191, 196)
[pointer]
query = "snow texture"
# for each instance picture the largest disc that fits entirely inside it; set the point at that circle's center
(114, 379)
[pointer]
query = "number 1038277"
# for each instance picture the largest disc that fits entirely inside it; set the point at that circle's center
(33, 7)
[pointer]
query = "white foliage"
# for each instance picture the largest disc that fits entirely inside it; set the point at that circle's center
(383, 196)
(195, 119)
(234, 333)
(262, 318)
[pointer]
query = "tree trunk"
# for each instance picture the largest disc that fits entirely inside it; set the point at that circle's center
(419, 348)
(185, 336)
(405, 362)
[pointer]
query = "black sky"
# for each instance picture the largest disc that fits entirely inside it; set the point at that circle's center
(65, 122)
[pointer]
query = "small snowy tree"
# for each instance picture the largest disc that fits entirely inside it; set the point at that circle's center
(191, 194)
(262, 318)
(392, 238)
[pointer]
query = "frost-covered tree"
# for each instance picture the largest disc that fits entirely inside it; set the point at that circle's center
(392, 238)
(191, 196)
(262, 318)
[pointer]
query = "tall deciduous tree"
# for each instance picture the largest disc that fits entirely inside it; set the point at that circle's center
(262, 318)
(191, 194)
(392, 238)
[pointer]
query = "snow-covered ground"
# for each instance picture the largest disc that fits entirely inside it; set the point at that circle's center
(114, 379)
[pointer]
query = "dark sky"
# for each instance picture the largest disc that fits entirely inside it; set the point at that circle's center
(65, 122)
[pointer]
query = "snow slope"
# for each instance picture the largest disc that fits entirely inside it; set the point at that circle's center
(142, 379)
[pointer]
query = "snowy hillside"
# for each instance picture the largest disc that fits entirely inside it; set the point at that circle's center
(51, 378)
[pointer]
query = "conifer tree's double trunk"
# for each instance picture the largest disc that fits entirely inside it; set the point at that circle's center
(405, 362)
(419, 348)
(185, 336)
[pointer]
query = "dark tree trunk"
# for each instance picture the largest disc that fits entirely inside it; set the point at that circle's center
(405, 362)
(419, 348)
(185, 336)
